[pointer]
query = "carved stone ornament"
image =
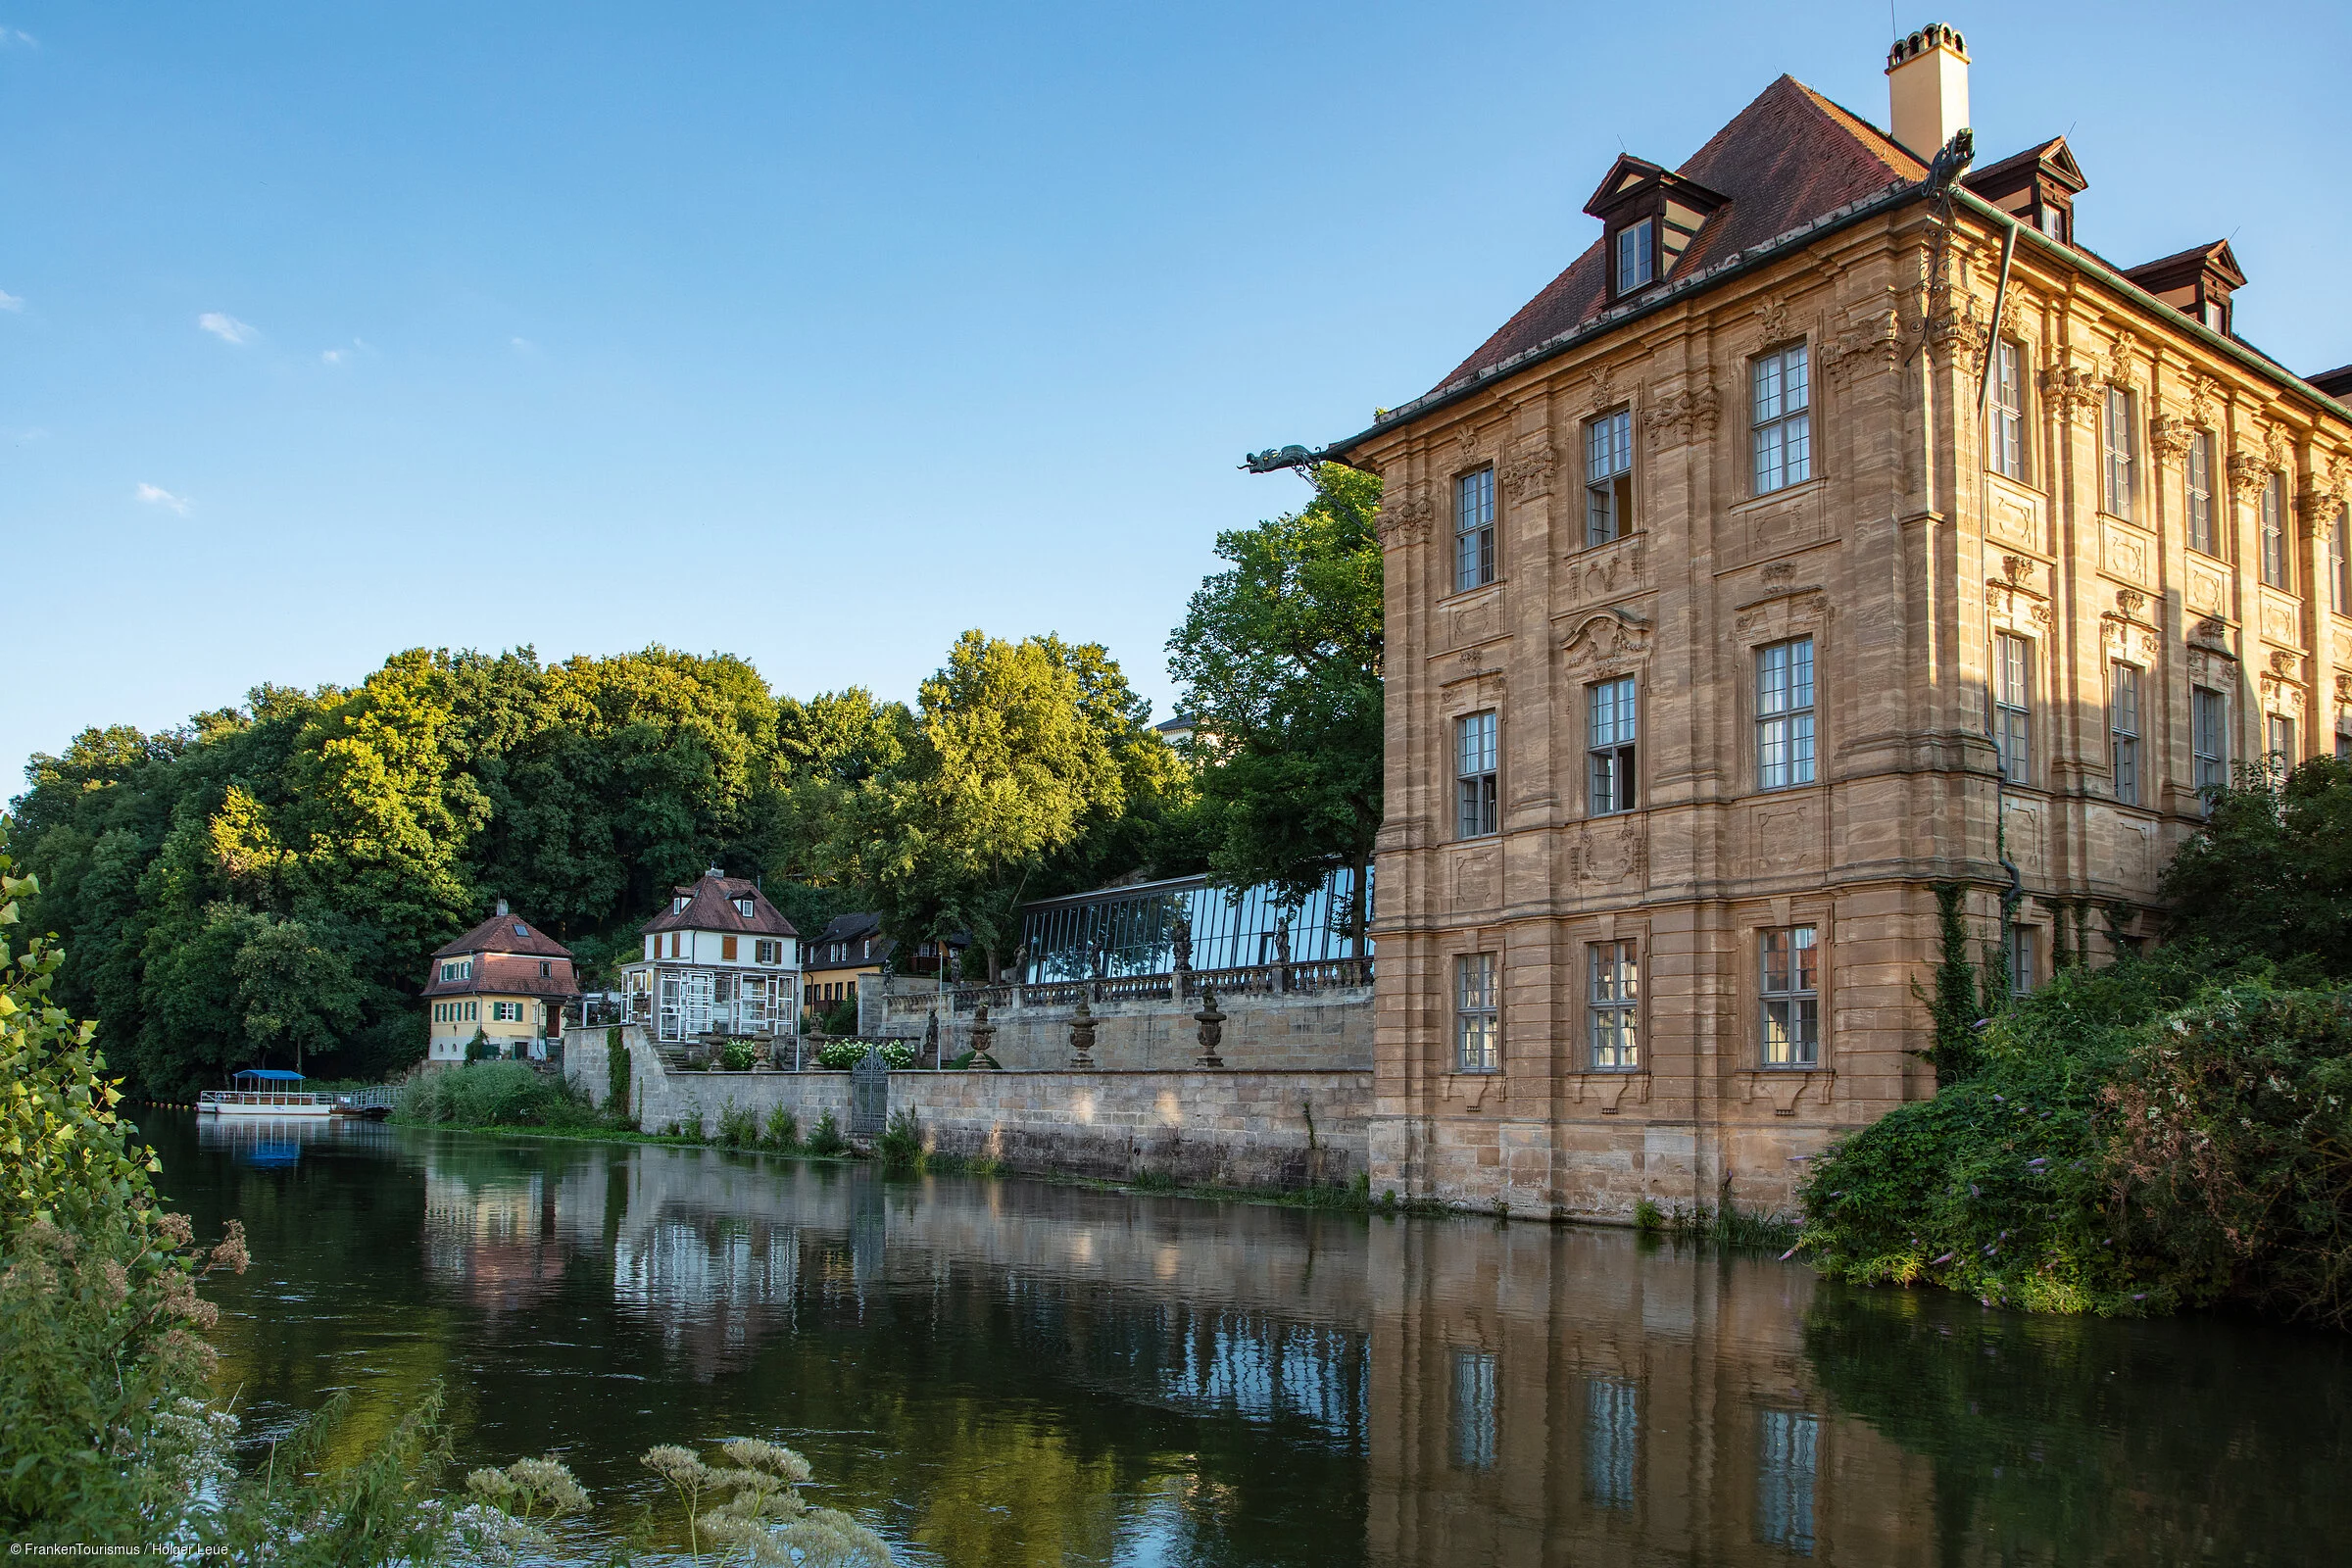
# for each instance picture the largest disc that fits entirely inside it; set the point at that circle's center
(1604, 387)
(2117, 372)
(2130, 601)
(2170, 435)
(2072, 391)
(1467, 437)
(1612, 857)
(1786, 612)
(1606, 639)
(1772, 317)
(2343, 689)
(2212, 632)
(1874, 343)
(2280, 694)
(2201, 389)
(1405, 515)
(2250, 470)
(1608, 572)
(2323, 494)
(1681, 415)
(1779, 572)
(1528, 474)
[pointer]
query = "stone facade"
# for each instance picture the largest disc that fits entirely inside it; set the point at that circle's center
(1326, 1029)
(1900, 562)
(1250, 1129)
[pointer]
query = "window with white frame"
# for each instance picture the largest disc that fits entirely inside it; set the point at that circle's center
(1613, 999)
(1609, 478)
(1791, 990)
(2271, 510)
(457, 970)
(1474, 761)
(2209, 737)
(1474, 530)
(1476, 1022)
(1785, 713)
(1610, 745)
(2278, 740)
(2123, 729)
(506, 1013)
(2340, 567)
(1780, 404)
(768, 953)
(2013, 703)
(2024, 970)
(2008, 410)
(2121, 444)
(2199, 488)
(1636, 254)
(743, 907)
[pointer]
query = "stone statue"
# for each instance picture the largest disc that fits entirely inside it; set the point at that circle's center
(1180, 942)
(931, 1036)
(1212, 1028)
(1282, 941)
(1082, 1036)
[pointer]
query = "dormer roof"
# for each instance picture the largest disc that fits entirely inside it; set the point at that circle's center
(711, 904)
(2050, 158)
(2215, 263)
(1784, 160)
(1631, 178)
(504, 933)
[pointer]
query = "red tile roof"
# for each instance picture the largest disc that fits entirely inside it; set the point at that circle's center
(1782, 160)
(504, 933)
(710, 907)
(509, 975)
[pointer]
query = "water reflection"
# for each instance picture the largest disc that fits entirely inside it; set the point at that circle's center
(1015, 1373)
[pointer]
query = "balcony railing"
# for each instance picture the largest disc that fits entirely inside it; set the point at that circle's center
(1258, 979)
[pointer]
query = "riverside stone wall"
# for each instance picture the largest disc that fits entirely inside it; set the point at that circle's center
(1323, 1030)
(1233, 1128)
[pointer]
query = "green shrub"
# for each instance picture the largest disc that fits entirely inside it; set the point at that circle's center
(840, 1018)
(616, 1077)
(783, 1129)
(1153, 1181)
(827, 1138)
(902, 1145)
(737, 1055)
(492, 1093)
(479, 1048)
(738, 1126)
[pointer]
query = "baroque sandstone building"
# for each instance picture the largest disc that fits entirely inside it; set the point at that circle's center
(1742, 582)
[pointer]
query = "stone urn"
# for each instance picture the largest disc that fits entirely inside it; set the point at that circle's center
(984, 1038)
(1212, 1028)
(1082, 1036)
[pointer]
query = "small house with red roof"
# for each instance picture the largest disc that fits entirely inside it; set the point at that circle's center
(721, 961)
(505, 981)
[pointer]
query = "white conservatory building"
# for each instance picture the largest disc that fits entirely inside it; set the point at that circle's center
(721, 961)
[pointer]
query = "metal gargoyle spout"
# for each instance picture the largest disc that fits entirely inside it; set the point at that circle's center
(1951, 160)
(1274, 459)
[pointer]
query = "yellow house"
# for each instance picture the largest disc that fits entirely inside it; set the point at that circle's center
(503, 980)
(850, 949)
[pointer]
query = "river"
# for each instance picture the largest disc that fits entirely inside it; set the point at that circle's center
(997, 1372)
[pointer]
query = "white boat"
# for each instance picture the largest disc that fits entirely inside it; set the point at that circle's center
(266, 1092)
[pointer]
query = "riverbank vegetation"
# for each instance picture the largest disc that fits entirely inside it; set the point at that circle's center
(2169, 1129)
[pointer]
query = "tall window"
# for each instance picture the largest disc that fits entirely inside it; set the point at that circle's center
(1781, 416)
(1475, 1028)
(1787, 1448)
(1474, 774)
(2339, 569)
(1474, 530)
(2278, 739)
(1610, 747)
(1785, 713)
(2209, 736)
(2273, 509)
(1636, 254)
(2200, 493)
(1791, 998)
(2122, 730)
(1474, 1410)
(1609, 478)
(2008, 412)
(1615, 992)
(1612, 1441)
(2012, 704)
(2344, 739)
(2122, 448)
(2021, 969)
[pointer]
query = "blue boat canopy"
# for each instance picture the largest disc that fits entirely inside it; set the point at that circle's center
(275, 1075)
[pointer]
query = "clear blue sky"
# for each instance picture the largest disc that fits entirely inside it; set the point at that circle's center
(819, 335)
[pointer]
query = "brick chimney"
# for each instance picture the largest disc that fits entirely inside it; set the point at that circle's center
(1927, 83)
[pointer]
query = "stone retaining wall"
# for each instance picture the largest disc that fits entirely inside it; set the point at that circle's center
(1233, 1128)
(1324, 1030)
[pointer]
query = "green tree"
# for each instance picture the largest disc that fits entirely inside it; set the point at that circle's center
(2268, 875)
(1279, 659)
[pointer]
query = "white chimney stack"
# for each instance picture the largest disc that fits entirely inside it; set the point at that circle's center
(1927, 81)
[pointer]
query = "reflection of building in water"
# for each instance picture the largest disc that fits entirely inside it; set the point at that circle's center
(277, 1143)
(1540, 1396)
(705, 1282)
(503, 1236)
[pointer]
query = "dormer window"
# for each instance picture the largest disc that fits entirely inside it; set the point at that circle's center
(678, 905)
(743, 907)
(2198, 283)
(1636, 255)
(1650, 217)
(2037, 187)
